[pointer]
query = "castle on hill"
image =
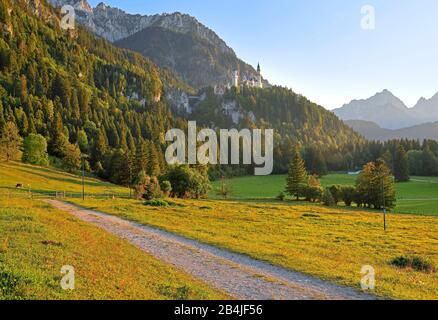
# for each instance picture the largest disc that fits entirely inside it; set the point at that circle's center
(252, 81)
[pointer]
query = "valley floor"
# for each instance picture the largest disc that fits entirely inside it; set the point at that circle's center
(238, 275)
(37, 240)
(418, 196)
(333, 244)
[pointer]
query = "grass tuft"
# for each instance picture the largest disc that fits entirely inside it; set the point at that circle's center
(414, 263)
(156, 203)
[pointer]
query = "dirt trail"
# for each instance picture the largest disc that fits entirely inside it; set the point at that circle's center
(238, 275)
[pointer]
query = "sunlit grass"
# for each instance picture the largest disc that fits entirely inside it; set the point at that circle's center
(330, 243)
(49, 180)
(37, 240)
(419, 196)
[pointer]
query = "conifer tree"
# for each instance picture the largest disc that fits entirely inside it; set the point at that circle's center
(141, 157)
(401, 166)
(383, 186)
(297, 176)
(10, 142)
(99, 149)
(154, 164)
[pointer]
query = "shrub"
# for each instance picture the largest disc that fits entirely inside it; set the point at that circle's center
(152, 189)
(413, 262)
(9, 285)
(327, 198)
(166, 187)
(188, 182)
(312, 193)
(147, 187)
(336, 192)
(156, 203)
(35, 150)
(348, 195)
(281, 196)
(225, 189)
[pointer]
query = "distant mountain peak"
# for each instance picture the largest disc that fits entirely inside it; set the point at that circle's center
(389, 112)
(384, 108)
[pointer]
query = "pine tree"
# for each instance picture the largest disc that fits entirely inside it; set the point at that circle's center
(401, 166)
(100, 148)
(375, 185)
(327, 198)
(141, 157)
(383, 186)
(428, 161)
(297, 176)
(72, 157)
(154, 164)
(10, 142)
(58, 142)
(4, 15)
(315, 162)
(364, 184)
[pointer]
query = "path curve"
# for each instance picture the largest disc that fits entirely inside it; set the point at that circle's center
(238, 275)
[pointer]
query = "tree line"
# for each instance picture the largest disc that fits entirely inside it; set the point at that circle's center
(374, 187)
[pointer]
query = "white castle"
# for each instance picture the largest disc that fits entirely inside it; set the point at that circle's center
(253, 81)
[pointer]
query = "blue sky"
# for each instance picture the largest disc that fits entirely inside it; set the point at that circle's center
(318, 48)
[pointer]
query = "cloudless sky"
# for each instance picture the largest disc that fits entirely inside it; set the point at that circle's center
(318, 48)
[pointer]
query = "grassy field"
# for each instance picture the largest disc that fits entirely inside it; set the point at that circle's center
(419, 196)
(37, 240)
(329, 243)
(48, 180)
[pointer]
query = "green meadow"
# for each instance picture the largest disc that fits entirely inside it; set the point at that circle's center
(418, 196)
(36, 240)
(328, 243)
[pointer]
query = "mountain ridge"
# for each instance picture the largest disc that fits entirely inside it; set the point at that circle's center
(218, 61)
(373, 131)
(389, 112)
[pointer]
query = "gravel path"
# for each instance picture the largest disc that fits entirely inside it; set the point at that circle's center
(240, 276)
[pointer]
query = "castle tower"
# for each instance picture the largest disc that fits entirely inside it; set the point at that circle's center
(236, 78)
(259, 77)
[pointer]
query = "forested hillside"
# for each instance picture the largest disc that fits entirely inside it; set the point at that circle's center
(325, 139)
(84, 96)
(79, 92)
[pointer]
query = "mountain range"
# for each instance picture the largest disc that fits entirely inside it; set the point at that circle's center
(373, 131)
(176, 41)
(389, 112)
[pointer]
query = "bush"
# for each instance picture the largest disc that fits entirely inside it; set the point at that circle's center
(336, 192)
(9, 283)
(348, 195)
(156, 203)
(35, 150)
(147, 187)
(166, 187)
(327, 198)
(413, 262)
(312, 193)
(152, 189)
(281, 196)
(188, 182)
